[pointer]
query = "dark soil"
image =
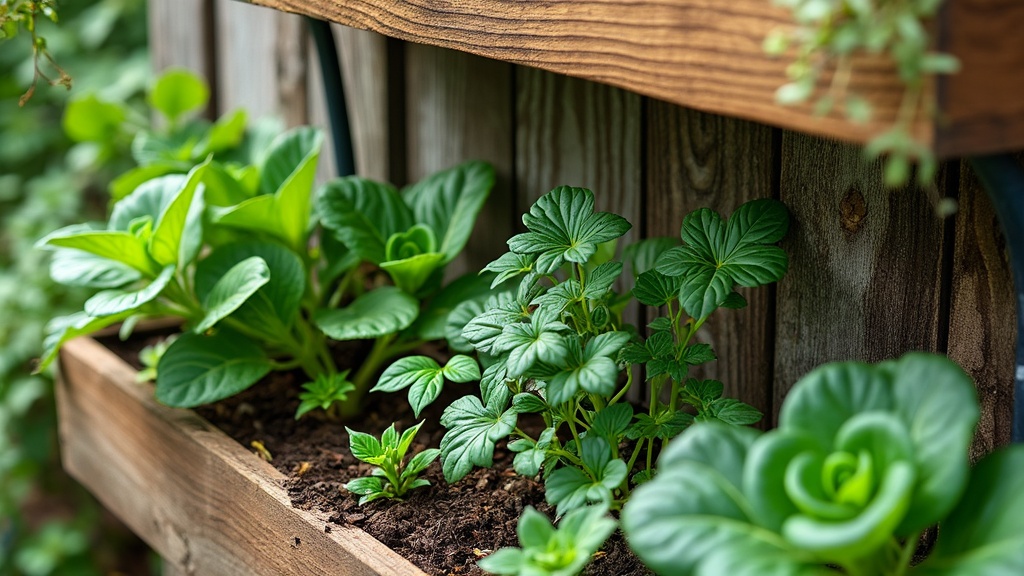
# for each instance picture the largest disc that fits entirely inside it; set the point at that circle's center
(443, 528)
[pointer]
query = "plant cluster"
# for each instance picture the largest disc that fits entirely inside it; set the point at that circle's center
(215, 227)
(829, 33)
(391, 477)
(865, 458)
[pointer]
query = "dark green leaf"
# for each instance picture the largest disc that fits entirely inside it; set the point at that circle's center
(510, 265)
(734, 412)
(232, 290)
(611, 422)
(363, 214)
(665, 425)
(696, 354)
(473, 430)
(198, 369)
(601, 278)
(449, 201)
(377, 313)
(643, 254)
(433, 322)
(656, 289)
(365, 447)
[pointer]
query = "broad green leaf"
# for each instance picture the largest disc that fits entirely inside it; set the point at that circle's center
(178, 92)
(696, 354)
(66, 328)
(110, 302)
(569, 488)
(706, 390)
(718, 255)
(449, 201)
(612, 421)
(272, 309)
(600, 279)
(563, 227)
(410, 274)
(199, 369)
(365, 447)
(363, 214)
(473, 430)
(461, 369)
(984, 534)
(225, 187)
(377, 313)
(732, 411)
(528, 403)
(528, 343)
(172, 242)
(485, 329)
(364, 487)
(592, 369)
(288, 153)
(422, 375)
(420, 462)
(78, 268)
(89, 119)
(232, 290)
(530, 455)
(128, 182)
(656, 289)
(227, 132)
(118, 246)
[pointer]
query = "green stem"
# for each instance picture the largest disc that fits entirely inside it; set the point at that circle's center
(907, 553)
(629, 382)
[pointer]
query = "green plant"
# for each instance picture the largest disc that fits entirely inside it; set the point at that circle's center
(392, 477)
(24, 14)
(557, 345)
(547, 551)
(216, 230)
(865, 458)
(325, 393)
(829, 33)
(150, 357)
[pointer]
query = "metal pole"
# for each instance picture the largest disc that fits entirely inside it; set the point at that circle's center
(334, 91)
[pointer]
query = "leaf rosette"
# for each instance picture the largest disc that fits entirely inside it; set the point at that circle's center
(865, 457)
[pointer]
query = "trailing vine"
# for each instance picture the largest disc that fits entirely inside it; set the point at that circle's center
(830, 32)
(16, 15)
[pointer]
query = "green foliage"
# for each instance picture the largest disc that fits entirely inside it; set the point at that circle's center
(865, 458)
(324, 392)
(18, 15)
(547, 551)
(214, 227)
(392, 476)
(556, 345)
(830, 33)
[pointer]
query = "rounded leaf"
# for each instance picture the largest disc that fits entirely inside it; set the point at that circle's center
(198, 369)
(377, 313)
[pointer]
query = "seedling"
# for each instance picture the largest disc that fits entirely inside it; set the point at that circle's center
(392, 477)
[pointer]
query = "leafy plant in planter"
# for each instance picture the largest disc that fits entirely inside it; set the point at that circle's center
(865, 458)
(226, 247)
(556, 344)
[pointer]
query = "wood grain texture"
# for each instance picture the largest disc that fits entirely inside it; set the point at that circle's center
(982, 110)
(865, 263)
(180, 35)
(982, 324)
(697, 160)
(201, 500)
(706, 54)
(261, 62)
(459, 107)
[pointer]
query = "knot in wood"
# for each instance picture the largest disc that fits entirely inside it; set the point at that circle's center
(853, 210)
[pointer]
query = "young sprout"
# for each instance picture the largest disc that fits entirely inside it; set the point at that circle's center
(391, 478)
(324, 392)
(150, 357)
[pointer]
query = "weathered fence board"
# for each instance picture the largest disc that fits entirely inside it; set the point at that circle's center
(695, 160)
(180, 34)
(865, 263)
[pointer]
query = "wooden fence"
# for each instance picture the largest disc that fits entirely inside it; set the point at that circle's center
(874, 273)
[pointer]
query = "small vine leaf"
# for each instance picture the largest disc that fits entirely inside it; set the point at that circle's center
(563, 227)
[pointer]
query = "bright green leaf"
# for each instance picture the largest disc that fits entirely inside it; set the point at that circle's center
(377, 313)
(198, 369)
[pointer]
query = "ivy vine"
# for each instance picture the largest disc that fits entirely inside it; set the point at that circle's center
(830, 32)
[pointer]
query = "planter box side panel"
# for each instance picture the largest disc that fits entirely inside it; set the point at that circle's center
(204, 503)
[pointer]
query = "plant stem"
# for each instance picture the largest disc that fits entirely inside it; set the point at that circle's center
(629, 382)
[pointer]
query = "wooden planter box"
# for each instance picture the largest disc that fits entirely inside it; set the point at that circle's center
(207, 505)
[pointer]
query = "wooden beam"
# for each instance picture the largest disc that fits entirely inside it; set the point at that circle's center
(707, 55)
(197, 497)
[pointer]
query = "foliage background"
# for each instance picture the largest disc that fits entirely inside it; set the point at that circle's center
(48, 525)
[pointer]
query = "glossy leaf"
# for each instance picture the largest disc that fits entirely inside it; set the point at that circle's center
(363, 214)
(377, 313)
(449, 201)
(473, 430)
(232, 290)
(78, 268)
(110, 302)
(198, 370)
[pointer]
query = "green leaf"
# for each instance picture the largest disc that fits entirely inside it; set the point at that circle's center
(473, 430)
(272, 309)
(110, 302)
(324, 392)
(129, 181)
(410, 274)
(422, 375)
(78, 268)
(718, 255)
(461, 369)
(421, 461)
(656, 289)
(377, 313)
(365, 447)
(599, 280)
(226, 133)
(178, 92)
(550, 552)
(696, 354)
(449, 201)
(569, 488)
(984, 534)
(199, 369)
(528, 403)
(117, 246)
(665, 425)
(66, 328)
(563, 227)
(643, 254)
(510, 265)
(89, 119)
(466, 291)
(173, 240)
(363, 214)
(368, 486)
(232, 290)
(707, 390)
(732, 411)
(530, 455)
(612, 421)
(528, 343)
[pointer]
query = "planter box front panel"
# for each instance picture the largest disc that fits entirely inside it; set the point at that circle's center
(202, 501)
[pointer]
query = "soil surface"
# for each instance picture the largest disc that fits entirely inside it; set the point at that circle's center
(442, 528)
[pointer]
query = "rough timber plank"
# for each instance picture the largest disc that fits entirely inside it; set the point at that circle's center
(202, 501)
(366, 70)
(982, 326)
(865, 263)
(459, 107)
(697, 160)
(261, 62)
(179, 35)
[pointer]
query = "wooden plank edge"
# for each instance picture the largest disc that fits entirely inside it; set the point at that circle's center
(93, 383)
